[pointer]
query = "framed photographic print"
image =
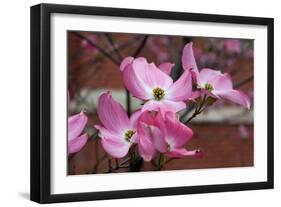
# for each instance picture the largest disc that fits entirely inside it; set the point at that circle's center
(132, 103)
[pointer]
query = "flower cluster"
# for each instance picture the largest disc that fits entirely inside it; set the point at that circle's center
(155, 130)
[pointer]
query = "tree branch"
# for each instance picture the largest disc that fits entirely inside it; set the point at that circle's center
(242, 82)
(105, 53)
(110, 40)
(139, 49)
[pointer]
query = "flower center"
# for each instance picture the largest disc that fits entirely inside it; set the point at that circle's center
(209, 87)
(128, 135)
(169, 147)
(158, 93)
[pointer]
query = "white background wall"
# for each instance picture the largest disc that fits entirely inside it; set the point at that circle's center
(14, 101)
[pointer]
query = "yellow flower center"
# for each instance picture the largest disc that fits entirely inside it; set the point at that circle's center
(209, 87)
(128, 135)
(158, 93)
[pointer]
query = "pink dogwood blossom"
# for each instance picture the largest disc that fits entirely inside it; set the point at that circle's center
(165, 134)
(76, 125)
(154, 85)
(213, 82)
(117, 131)
(220, 86)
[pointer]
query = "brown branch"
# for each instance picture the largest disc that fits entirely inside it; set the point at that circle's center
(139, 49)
(120, 47)
(242, 82)
(197, 110)
(105, 53)
(110, 40)
(118, 166)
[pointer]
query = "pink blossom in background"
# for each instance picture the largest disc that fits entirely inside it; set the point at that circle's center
(154, 86)
(166, 133)
(85, 44)
(208, 58)
(250, 53)
(198, 52)
(154, 44)
(162, 56)
(118, 131)
(232, 46)
(243, 131)
(76, 125)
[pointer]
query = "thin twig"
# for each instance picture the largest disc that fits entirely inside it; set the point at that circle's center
(121, 47)
(242, 82)
(169, 160)
(94, 169)
(197, 110)
(140, 47)
(186, 112)
(128, 102)
(118, 166)
(105, 53)
(110, 40)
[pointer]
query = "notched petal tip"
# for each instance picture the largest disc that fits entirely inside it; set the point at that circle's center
(166, 67)
(188, 59)
(125, 62)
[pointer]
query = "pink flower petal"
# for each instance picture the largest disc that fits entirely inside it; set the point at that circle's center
(181, 90)
(182, 152)
(135, 84)
(235, 96)
(75, 145)
(125, 62)
(223, 82)
(145, 145)
(76, 124)
(103, 132)
(115, 147)
(188, 60)
(152, 76)
(152, 105)
(155, 129)
(173, 106)
(208, 93)
(208, 76)
(134, 118)
(166, 67)
(164, 106)
(177, 133)
(111, 113)
(194, 95)
(140, 78)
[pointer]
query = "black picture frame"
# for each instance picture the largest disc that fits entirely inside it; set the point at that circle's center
(41, 99)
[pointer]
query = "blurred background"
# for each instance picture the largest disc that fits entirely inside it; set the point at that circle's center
(224, 132)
